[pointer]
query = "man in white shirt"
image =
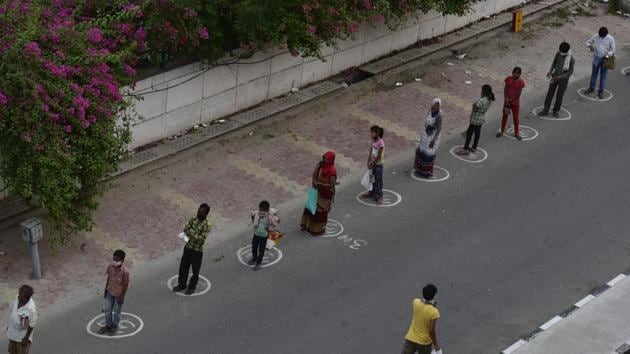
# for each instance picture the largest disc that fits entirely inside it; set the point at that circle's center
(22, 321)
(603, 46)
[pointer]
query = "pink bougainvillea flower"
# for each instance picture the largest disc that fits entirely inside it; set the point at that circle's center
(129, 70)
(203, 32)
(353, 28)
(332, 11)
(32, 49)
(95, 35)
(311, 29)
(68, 128)
(3, 99)
(368, 4)
(55, 117)
(404, 5)
(190, 12)
(307, 8)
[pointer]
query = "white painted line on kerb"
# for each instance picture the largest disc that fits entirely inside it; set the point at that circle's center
(615, 280)
(550, 323)
(584, 301)
(625, 70)
(512, 348)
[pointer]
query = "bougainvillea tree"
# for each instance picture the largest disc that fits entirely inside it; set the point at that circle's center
(63, 120)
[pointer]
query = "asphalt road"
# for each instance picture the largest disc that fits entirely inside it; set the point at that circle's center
(510, 242)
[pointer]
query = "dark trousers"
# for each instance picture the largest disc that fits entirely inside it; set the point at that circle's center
(258, 248)
(377, 186)
(472, 129)
(412, 348)
(189, 258)
(556, 88)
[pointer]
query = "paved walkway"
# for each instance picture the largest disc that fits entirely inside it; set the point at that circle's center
(599, 327)
(145, 209)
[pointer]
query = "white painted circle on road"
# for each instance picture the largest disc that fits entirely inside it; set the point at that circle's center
(527, 133)
(128, 326)
(271, 257)
(625, 71)
(439, 174)
(607, 95)
(333, 228)
(474, 157)
(390, 199)
(200, 290)
(564, 114)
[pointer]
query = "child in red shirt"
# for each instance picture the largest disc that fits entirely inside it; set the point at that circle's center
(513, 88)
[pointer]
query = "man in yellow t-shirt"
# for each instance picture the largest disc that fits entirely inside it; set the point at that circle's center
(422, 336)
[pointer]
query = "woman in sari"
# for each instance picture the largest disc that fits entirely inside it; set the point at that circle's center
(425, 154)
(324, 180)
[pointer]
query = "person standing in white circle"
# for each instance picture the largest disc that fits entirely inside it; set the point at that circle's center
(603, 47)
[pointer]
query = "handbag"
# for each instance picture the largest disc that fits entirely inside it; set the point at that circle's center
(609, 62)
(311, 200)
(507, 111)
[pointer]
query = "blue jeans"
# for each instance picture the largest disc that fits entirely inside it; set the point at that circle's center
(112, 311)
(377, 186)
(598, 68)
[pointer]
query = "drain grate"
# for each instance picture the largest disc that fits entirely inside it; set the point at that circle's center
(486, 25)
(217, 129)
(290, 101)
(411, 54)
(321, 89)
(141, 157)
(252, 115)
(185, 141)
(12, 206)
(381, 65)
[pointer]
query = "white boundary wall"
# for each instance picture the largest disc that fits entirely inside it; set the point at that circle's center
(227, 89)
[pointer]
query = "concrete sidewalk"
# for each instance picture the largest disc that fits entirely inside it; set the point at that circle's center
(599, 326)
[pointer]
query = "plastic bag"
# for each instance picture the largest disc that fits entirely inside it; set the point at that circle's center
(270, 244)
(436, 351)
(183, 236)
(311, 200)
(366, 181)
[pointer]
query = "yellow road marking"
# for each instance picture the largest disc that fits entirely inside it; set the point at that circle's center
(385, 123)
(107, 241)
(305, 143)
(190, 205)
(267, 175)
(446, 97)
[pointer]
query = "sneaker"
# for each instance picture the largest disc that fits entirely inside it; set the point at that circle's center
(251, 262)
(189, 291)
(463, 152)
(473, 150)
(257, 267)
(103, 330)
(589, 91)
(556, 114)
(518, 137)
(112, 331)
(600, 96)
(379, 201)
(543, 113)
(499, 134)
(178, 288)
